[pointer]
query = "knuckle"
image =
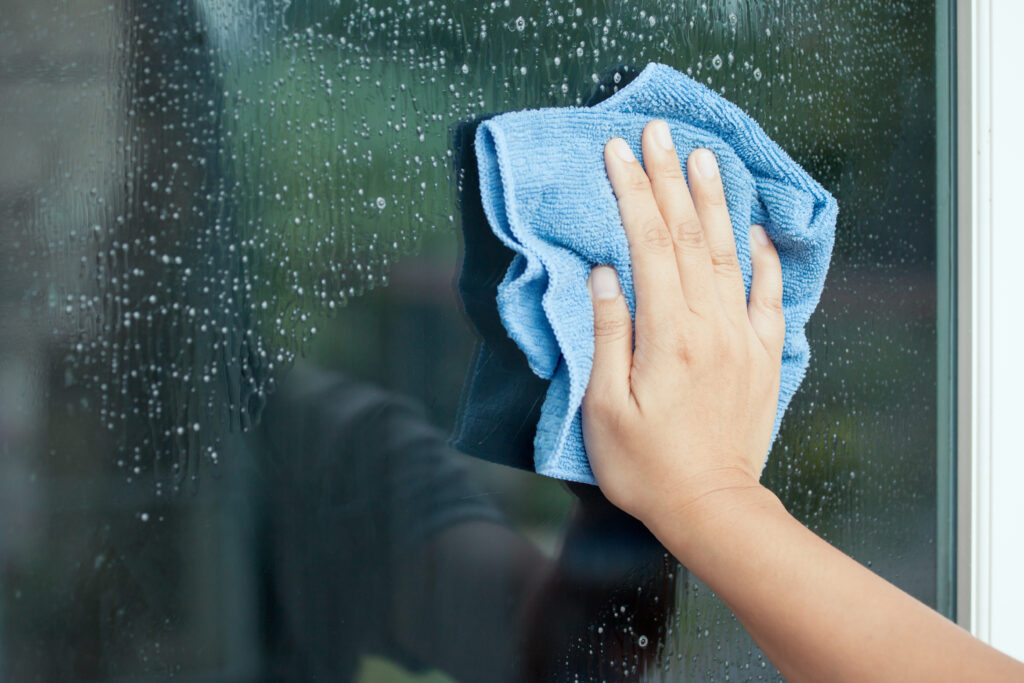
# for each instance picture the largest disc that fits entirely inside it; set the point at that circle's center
(714, 198)
(669, 169)
(688, 233)
(638, 183)
(770, 303)
(654, 233)
(611, 328)
(724, 258)
(730, 274)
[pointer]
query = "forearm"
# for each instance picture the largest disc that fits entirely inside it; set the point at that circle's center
(816, 613)
(697, 371)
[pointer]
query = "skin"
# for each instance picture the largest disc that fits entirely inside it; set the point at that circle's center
(677, 424)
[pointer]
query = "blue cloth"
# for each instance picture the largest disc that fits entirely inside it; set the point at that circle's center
(546, 196)
(501, 399)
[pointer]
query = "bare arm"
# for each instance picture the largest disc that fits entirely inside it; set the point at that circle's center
(677, 428)
(816, 613)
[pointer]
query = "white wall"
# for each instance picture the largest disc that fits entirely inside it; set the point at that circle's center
(992, 316)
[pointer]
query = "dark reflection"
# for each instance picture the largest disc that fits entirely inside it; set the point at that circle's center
(377, 541)
(380, 541)
(145, 536)
(341, 525)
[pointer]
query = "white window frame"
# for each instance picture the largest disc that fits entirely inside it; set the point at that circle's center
(990, 326)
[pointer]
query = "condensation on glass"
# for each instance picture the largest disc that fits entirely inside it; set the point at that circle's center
(229, 231)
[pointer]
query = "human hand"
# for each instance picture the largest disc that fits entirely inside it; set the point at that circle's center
(688, 411)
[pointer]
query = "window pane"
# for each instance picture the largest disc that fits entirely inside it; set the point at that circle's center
(232, 353)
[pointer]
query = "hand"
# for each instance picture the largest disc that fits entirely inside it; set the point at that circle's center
(689, 410)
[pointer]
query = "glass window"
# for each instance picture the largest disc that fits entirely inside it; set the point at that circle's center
(232, 353)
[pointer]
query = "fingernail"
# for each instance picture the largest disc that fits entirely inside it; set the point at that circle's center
(622, 150)
(758, 234)
(662, 135)
(604, 282)
(707, 165)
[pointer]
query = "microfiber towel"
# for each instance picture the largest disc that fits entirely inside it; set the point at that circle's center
(501, 399)
(547, 198)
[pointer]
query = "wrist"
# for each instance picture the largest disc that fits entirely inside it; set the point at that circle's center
(696, 524)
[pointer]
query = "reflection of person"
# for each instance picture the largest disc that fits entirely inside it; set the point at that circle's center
(375, 541)
(702, 380)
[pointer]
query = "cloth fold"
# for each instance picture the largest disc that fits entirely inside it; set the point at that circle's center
(501, 398)
(547, 198)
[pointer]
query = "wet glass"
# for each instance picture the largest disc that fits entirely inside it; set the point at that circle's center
(232, 351)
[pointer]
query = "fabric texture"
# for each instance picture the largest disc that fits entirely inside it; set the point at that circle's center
(546, 196)
(501, 398)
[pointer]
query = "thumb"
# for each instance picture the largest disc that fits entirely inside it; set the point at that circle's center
(613, 338)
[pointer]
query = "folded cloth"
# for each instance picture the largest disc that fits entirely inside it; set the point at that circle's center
(500, 404)
(547, 198)
(501, 400)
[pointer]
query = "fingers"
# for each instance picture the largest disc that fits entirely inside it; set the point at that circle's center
(659, 296)
(765, 307)
(682, 245)
(613, 338)
(685, 229)
(709, 201)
